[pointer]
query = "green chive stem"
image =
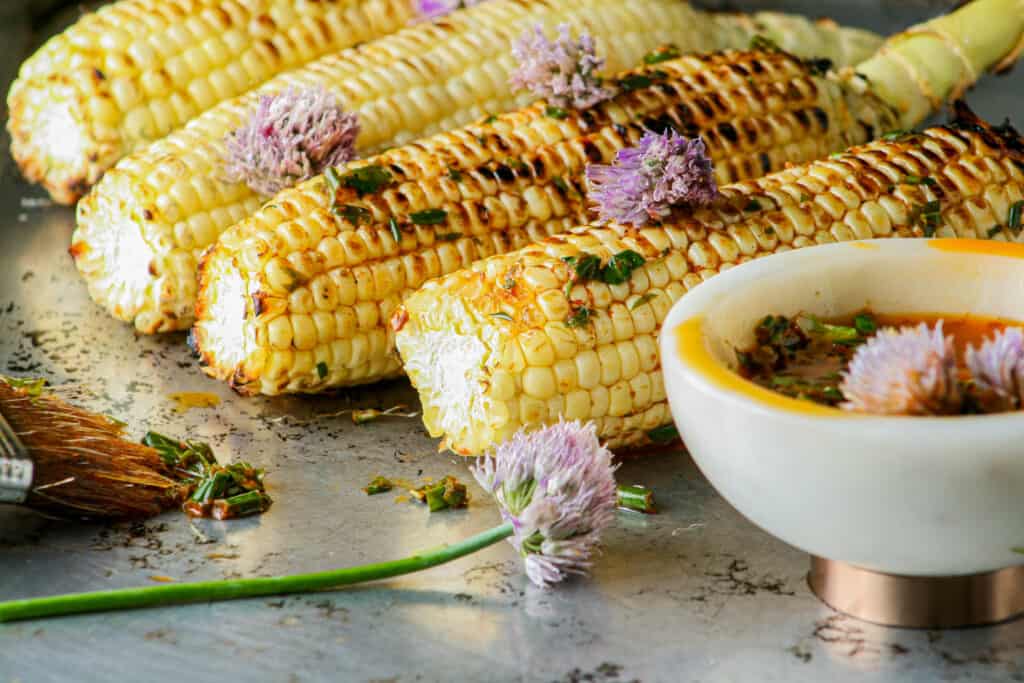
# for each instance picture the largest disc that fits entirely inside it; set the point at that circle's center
(639, 498)
(234, 589)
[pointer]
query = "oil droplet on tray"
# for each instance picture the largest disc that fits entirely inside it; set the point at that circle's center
(187, 400)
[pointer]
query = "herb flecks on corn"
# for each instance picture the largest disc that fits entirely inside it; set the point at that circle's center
(141, 230)
(311, 280)
(135, 70)
(481, 379)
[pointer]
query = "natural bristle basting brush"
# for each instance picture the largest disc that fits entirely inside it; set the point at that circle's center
(66, 461)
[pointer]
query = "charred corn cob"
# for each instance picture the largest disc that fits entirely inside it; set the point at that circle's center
(135, 70)
(518, 340)
(142, 228)
(297, 298)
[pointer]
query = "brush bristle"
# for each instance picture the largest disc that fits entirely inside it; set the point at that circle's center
(83, 465)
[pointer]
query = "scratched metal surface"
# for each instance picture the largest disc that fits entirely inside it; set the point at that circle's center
(695, 593)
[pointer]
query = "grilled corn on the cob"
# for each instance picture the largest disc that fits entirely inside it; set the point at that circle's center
(297, 298)
(143, 226)
(504, 345)
(135, 70)
(294, 299)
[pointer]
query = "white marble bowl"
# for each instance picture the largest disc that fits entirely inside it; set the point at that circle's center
(902, 495)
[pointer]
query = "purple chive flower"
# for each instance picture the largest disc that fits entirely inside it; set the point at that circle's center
(911, 371)
(555, 486)
(432, 9)
(292, 136)
(664, 169)
(561, 71)
(997, 369)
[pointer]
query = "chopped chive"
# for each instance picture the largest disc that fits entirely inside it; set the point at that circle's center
(33, 386)
(353, 214)
(865, 323)
(442, 495)
(785, 380)
(212, 487)
(761, 42)
(636, 497)
(918, 180)
(378, 485)
(635, 82)
(752, 205)
(587, 266)
(502, 315)
(662, 54)
(449, 236)
(242, 505)
(832, 393)
(395, 232)
(367, 179)
(896, 134)
(995, 230)
(580, 318)
(641, 300)
(321, 369)
(839, 334)
(429, 217)
(560, 183)
(1014, 218)
(333, 179)
(556, 112)
(621, 266)
(664, 434)
(509, 283)
(455, 174)
(490, 119)
(804, 197)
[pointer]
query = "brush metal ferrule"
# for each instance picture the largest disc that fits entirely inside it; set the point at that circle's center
(16, 467)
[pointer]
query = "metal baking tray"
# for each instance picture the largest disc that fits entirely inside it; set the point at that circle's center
(695, 593)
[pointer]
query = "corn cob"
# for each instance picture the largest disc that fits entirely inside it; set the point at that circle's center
(297, 299)
(140, 231)
(294, 299)
(489, 359)
(135, 70)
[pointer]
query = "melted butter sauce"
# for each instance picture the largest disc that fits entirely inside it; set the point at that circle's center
(966, 330)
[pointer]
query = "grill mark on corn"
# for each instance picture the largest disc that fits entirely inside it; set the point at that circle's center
(608, 371)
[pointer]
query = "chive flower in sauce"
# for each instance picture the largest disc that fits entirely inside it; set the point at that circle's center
(997, 371)
(912, 371)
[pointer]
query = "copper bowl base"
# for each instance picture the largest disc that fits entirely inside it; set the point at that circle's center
(919, 601)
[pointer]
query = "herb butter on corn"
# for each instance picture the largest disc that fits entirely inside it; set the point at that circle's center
(141, 230)
(483, 376)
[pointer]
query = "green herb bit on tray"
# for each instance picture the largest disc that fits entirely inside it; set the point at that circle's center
(212, 489)
(449, 492)
(636, 497)
(378, 485)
